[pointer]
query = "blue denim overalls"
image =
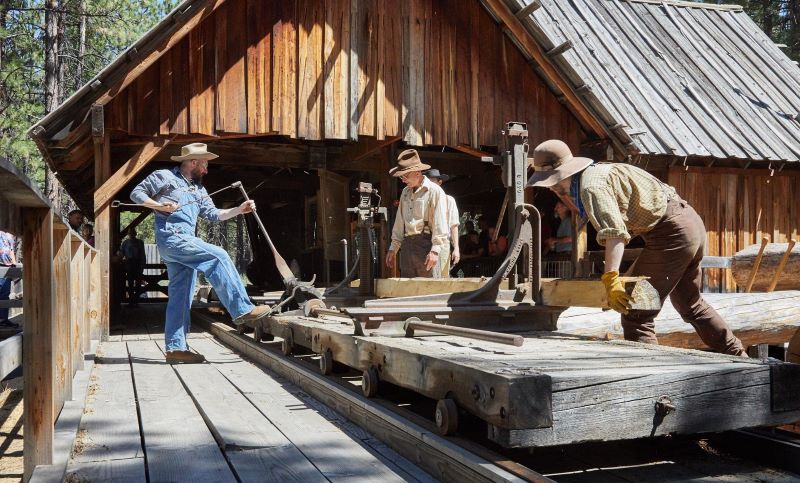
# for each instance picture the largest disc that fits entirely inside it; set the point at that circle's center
(184, 254)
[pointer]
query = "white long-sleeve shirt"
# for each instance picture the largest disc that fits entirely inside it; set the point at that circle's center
(422, 210)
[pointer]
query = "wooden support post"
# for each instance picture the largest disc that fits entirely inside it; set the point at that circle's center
(102, 224)
(793, 351)
(754, 271)
(560, 49)
(781, 265)
(64, 363)
(86, 273)
(38, 338)
(579, 245)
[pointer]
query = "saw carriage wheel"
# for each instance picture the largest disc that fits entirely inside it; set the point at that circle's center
(326, 362)
(369, 382)
(446, 417)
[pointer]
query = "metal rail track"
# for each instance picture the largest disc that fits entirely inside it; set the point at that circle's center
(440, 457)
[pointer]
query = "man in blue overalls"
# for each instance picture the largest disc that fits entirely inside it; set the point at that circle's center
(178, 198)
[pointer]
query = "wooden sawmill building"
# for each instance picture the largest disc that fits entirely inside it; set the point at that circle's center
(313, 96)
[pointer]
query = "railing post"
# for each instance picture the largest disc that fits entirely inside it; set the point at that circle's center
(38, 338)
(62, 317)
(76, 262)
(94, 296)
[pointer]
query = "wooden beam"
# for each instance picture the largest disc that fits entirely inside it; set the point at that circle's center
(466, 149)
(38, 338)
(127, 171)
(592, 293)
(10, 355)
(528, 9)
(501, 11)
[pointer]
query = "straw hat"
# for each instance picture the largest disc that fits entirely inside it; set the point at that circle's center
(194, 151)
(408, 161)
(553, 162)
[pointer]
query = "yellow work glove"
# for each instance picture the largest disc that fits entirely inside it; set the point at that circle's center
(618, 299)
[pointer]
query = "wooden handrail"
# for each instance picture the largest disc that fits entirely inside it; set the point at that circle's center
(60, 308)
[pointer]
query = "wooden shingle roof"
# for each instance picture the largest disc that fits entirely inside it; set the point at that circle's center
(673, 77)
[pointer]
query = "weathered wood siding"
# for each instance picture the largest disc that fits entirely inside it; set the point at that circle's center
(738, 207)
(434, 72)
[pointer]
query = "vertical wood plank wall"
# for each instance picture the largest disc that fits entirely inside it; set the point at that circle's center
(438, 72)
(738, 207)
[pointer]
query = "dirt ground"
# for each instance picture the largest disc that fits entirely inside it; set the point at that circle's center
(11, 430)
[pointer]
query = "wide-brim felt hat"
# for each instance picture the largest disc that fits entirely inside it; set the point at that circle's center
(194, 151)
(434, 173)
(553, 162)
(407, 162)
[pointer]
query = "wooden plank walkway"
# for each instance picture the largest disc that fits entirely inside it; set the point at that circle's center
(227, 420)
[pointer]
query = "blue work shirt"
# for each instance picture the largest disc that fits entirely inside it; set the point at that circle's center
(167, 185)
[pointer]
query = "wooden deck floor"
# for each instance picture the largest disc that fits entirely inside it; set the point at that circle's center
(227, 420)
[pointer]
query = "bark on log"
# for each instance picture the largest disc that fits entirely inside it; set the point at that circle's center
(742, 264)
(755, 318)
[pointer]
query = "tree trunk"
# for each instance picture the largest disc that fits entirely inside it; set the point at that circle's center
(52, 93)
(766, 17)
(81, 44)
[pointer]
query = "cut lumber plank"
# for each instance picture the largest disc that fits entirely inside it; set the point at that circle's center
(555, 292)
(178, 445)
(755, 318)
(743, 262)
(334, 453)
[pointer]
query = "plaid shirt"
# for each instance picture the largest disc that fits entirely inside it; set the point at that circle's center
(622, 200)
(6, 248)
(423, 210)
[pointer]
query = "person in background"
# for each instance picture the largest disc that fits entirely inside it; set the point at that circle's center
(87, 233)
(75, 220)
(497, 247)
(134, 258)
(469, 242)
(452, 221)
(7, 259)
(562, 242)
(420, 231)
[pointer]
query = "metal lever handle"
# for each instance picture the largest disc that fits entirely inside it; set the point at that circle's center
(283, 268)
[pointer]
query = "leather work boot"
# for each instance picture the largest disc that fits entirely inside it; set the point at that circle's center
(259, 312)
(184, 357)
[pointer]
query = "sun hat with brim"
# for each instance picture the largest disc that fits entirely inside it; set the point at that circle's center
(434, 173)
(553, 162)
(407, 162)
(194, 151)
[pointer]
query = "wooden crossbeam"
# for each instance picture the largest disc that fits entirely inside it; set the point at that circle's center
(124, 174)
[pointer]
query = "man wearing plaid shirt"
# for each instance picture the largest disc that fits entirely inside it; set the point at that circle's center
(623, 201)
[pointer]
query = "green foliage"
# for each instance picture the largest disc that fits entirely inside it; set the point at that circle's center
(111, 26)
(780, 19)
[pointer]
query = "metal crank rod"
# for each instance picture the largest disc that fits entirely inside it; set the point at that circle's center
(487, 335)
(283, 268)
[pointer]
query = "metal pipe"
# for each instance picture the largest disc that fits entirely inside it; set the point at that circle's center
(487, 335)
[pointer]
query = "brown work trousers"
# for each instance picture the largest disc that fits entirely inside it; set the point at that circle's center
(671, 258)
(413, 251)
